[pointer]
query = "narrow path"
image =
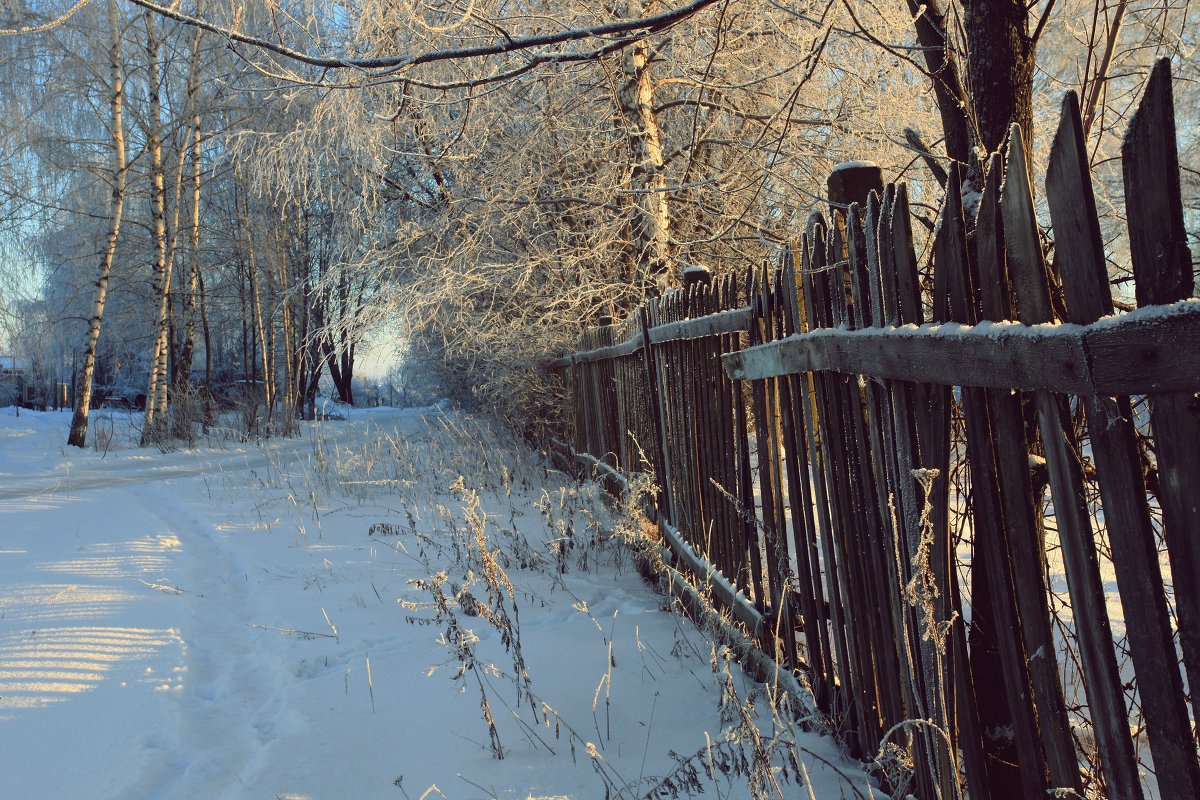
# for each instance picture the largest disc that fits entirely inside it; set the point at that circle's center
(227, 708)
(268, 631)
(147, 468)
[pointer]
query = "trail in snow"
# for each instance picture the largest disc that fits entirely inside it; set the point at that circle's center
(228, 703)
(215, 624)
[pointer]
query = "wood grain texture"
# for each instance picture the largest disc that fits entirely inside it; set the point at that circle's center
(1162, 268)
(1136, 355)
(1080, 259)
(1084, 582)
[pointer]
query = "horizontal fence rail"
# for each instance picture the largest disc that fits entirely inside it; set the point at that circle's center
(1131, 354)
(918, 484)
(735, 320)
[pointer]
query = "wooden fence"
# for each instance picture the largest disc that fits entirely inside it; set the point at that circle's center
(854, 449)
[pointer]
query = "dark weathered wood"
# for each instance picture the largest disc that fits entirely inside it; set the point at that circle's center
(996, 356)
(1028, 560)
(888, 292)
(911, 406)
(1080, 258)
(770, 487)
(745, 494)
(694, 439)
(1029, 582)
(880, 424)
(613, 433)
(655, 403)
(727, 474)
(1158, 240)
(722, 322)
(1078, 247)
(871, 227)
(813, 258)
(1156, 351)
(951, 263)
(876, 423)
(1084, 584)
(859, 275)
(990, 276)
(917, 436)
(1162, 268)
(729, 321)
(845, 570)
(828, 491)
(693, 528)
(811, 591)
(851, 183)
(708, 423)
(1130, 354)
(710, 408)
(998, 623)
(934, 441)
(908, 282)
(989, 538)
(865, 486)
(781, 547)
(655, 312)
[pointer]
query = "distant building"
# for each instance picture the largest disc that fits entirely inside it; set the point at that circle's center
(19, 385)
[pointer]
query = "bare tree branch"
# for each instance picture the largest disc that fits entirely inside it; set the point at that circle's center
(645, 26)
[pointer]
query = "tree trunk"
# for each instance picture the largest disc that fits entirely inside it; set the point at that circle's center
(248, 352)
(978, 101)
(184, 408)
(285, 281)
(340, 372)
(257, 327)
(116, 208)
(209, 406)
(1000, 70)
(651, 218)
(156, 395)
(996, 90)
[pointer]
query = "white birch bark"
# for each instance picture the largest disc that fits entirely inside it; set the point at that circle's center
(156, 394)
(651, 219)
(116, 209)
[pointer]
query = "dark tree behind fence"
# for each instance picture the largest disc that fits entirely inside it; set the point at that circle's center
(853, 449)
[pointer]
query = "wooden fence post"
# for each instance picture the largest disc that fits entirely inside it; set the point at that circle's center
(852, 182)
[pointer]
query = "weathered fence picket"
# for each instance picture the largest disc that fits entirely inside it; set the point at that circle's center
(798, 424)
(1114, 448)
(1162, 268)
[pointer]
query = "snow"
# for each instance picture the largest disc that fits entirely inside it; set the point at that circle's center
(848, 165)
(971, 197)
(1010, 330)
(1180, 309)
(261, 620)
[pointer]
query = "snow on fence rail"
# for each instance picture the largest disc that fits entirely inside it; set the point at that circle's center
(804, 427)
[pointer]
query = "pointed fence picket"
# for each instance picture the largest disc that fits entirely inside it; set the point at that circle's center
(799, 423)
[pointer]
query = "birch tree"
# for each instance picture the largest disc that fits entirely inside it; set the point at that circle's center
(507, 175)
(116, 209)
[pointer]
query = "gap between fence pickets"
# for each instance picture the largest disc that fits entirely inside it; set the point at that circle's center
(757, 663)
(1153, 349)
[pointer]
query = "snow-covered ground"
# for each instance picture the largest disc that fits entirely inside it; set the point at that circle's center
(334, 616)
